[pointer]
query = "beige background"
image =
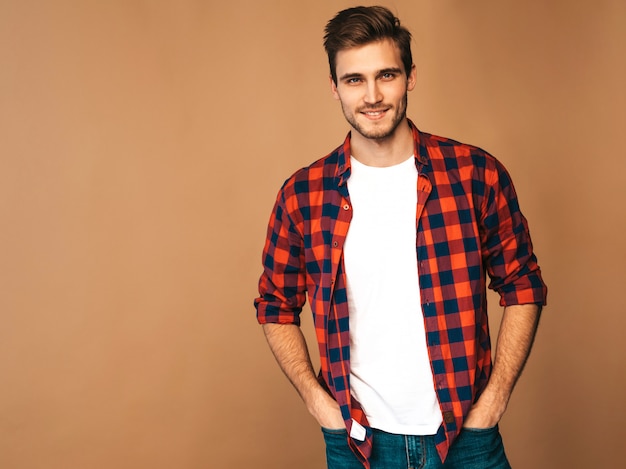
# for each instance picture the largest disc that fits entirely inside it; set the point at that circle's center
(141, 146)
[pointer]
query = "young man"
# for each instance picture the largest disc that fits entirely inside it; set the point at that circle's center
(391, 236)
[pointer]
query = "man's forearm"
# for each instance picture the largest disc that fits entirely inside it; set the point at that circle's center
(290, 349)
(515, 340)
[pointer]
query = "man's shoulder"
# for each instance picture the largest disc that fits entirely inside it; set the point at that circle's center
(316, 172)
(446, 154)
(450, 147)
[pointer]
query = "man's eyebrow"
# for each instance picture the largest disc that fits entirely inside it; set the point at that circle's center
(348, 76)
(390, 70)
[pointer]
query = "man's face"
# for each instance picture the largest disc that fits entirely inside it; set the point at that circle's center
(372, 87)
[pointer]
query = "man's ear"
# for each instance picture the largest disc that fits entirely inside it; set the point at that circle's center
(412, 78)
(333, 87)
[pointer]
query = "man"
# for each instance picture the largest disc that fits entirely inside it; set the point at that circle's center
(391, 236)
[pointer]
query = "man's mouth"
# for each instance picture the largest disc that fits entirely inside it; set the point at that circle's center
(374, 112)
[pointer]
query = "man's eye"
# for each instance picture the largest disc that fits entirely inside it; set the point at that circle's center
(354, 80)
(388, 76)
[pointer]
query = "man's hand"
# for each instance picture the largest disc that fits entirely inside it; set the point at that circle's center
(326, 411)
(484, 414)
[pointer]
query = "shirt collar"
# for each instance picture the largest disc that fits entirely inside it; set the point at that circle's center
(419, 151)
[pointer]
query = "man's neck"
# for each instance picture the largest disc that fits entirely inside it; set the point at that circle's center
(383, 152)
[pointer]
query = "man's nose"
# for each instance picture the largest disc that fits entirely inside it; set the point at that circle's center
(372, 93)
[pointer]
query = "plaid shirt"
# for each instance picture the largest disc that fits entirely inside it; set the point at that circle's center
(468, 224)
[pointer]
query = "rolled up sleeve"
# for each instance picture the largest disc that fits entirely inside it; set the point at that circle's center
(509, 258)
(282, 286)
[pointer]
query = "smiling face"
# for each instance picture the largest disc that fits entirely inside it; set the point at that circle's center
(372, 87)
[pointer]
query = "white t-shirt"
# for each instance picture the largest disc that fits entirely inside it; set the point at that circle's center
(390, 369)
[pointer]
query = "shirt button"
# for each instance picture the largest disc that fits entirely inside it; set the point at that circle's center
(335, 244)
(346, 207)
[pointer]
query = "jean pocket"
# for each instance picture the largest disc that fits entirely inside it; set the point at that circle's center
(478, 448)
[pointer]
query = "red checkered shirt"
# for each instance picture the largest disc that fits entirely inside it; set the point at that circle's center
(468, 225)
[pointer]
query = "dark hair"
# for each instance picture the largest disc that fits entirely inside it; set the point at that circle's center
(361, 25)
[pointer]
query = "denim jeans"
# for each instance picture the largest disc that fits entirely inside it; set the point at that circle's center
(473, 449)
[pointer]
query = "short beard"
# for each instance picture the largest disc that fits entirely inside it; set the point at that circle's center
(378, 134)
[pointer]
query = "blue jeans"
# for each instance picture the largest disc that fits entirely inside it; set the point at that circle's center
(473, 449)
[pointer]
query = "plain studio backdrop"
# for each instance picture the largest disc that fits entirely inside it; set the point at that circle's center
(142, 144)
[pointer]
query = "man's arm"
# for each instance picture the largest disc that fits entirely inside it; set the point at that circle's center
(289, 347)
(515, 339)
